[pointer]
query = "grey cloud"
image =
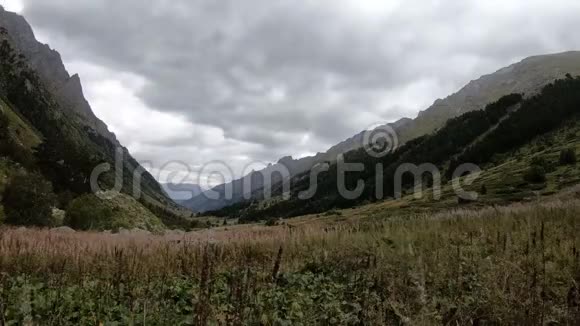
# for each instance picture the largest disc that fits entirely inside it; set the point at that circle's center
(271, 72)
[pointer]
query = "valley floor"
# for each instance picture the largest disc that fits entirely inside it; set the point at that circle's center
(517, 264)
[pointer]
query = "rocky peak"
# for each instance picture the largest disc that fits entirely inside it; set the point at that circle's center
(67, 90)
(401, 123)
(286, 160)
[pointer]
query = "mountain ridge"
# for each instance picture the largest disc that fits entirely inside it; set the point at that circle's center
(204, 202)
(526, 77)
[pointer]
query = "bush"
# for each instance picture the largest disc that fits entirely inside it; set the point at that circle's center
(4, 123)
(88, 212)
(535, 174)
(64, 199)
(5, 139)
(333, 212)
(11, 148)
(543, 163)
(483, 190)
(28, 200)
(568, 156)
(272, 222)
(194, 225)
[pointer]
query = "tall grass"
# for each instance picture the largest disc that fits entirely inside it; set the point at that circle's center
(509, 265)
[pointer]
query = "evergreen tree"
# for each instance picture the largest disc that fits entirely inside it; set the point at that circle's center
(568, 156)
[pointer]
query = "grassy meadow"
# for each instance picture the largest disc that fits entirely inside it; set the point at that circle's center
(517, 264)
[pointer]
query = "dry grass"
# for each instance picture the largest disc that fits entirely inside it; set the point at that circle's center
(511, 265)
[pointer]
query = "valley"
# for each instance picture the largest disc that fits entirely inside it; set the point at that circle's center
(467, 214)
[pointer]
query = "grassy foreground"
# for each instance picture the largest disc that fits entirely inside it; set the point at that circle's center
(512, 265)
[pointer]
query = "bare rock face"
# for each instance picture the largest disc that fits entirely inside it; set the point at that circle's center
(47, 62)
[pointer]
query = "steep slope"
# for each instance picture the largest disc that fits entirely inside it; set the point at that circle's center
(47, 63)
(526, 77)
(52, 128)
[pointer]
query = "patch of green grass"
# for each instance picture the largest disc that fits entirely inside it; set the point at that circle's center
(22, 131)
(128, 213)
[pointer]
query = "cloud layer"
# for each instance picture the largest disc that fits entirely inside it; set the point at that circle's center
(250, 80)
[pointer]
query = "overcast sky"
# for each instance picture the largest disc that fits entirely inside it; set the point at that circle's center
(255, 80)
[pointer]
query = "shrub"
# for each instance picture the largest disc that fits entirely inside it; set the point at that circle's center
(64, 199)
(272, 222)
(466, 200)
(5, 139)
(333, 212)
(4, 123)
(28, 200)
(88, 212)
(483, 190)
(568, 156)
(194, 225)
(11, 148)
(543, 163)
(535, 174)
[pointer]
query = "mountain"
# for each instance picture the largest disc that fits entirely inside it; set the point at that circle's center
(48, 65)
(51, 128)
(525, 147)
(181, 192)
(526, 77)
(259, 179)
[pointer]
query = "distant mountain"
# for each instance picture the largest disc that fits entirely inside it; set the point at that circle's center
(204, 202)
(52, 128)
(526, 77)
(181, 192)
